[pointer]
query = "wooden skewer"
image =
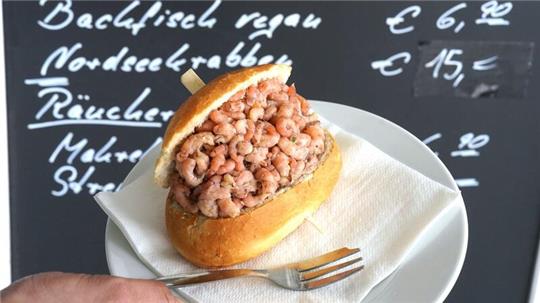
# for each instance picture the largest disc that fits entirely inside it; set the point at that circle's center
(192, 81)
(317, 226)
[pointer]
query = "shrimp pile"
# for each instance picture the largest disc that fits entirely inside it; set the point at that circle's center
(264, 138)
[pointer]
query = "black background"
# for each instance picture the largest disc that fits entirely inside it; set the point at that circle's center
(330, 63)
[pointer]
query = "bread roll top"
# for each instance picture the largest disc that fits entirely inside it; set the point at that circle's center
(195, 110)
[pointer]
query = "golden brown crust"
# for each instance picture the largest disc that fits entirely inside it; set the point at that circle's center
(222, 242)
(195, 110)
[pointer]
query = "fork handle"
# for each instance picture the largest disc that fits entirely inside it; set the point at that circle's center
(207, 276)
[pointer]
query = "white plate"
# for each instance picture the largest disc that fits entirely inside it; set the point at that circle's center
(430, 270)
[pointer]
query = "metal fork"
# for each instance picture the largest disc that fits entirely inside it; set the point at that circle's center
(296, 276)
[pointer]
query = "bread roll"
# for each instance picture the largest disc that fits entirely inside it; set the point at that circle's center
(224, 241)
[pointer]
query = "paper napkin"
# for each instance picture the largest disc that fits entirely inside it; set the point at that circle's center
(378, 204)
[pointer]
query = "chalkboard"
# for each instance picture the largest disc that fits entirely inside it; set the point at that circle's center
(90, 86)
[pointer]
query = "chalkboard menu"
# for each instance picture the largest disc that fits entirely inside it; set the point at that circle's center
(91, 86)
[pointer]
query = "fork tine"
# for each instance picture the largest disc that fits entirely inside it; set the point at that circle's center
(321, 272)
(330, 280)
(324, 259)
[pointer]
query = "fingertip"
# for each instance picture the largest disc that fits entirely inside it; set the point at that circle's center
(159, 289)
(169, 295)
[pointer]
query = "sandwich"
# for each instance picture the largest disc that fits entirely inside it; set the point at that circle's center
(246, 161)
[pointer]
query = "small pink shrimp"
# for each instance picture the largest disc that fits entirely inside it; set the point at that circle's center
(274, 172)
(224, 132)
(245, 127)
(291, 90)
(244, 148)
(269, 112)
(304, 105)
(267, 162)
(238, 202)
(220, 149)
(300, 121)
(316, 133)
(215, 192)
(209, 208)
(217, 161)
(237, 149)
(239, 146)
(269, 184)
(256, 113)
(234, 109)
(213, 181)
(297, 168)
(286, 127)
(239, 167)
(257, 156)
(253, 95)
(241, 126)
(202, 160)
(284, 181)
(235, 115)
(268, 86)
(186, 171)
(234, 106)
(233, 152)
(270, 103)
(281, 163)
(207, 126)
(218, 116)
(209, 196)
(181, 195)
(286, 110)
(292, 149)
(295, 104)
(238, 96)
(279, 97)
(227, 208)
(194, 143)
(252, 201)
(243, 178)
(265, 134)
(245, 183)
(303, 140)
(273, 153)
(247, 108)
(227, 167)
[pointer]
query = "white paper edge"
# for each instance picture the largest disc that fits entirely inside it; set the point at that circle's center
(534, 294)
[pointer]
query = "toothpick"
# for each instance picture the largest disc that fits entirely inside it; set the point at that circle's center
(315, 224)
(191, 81)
